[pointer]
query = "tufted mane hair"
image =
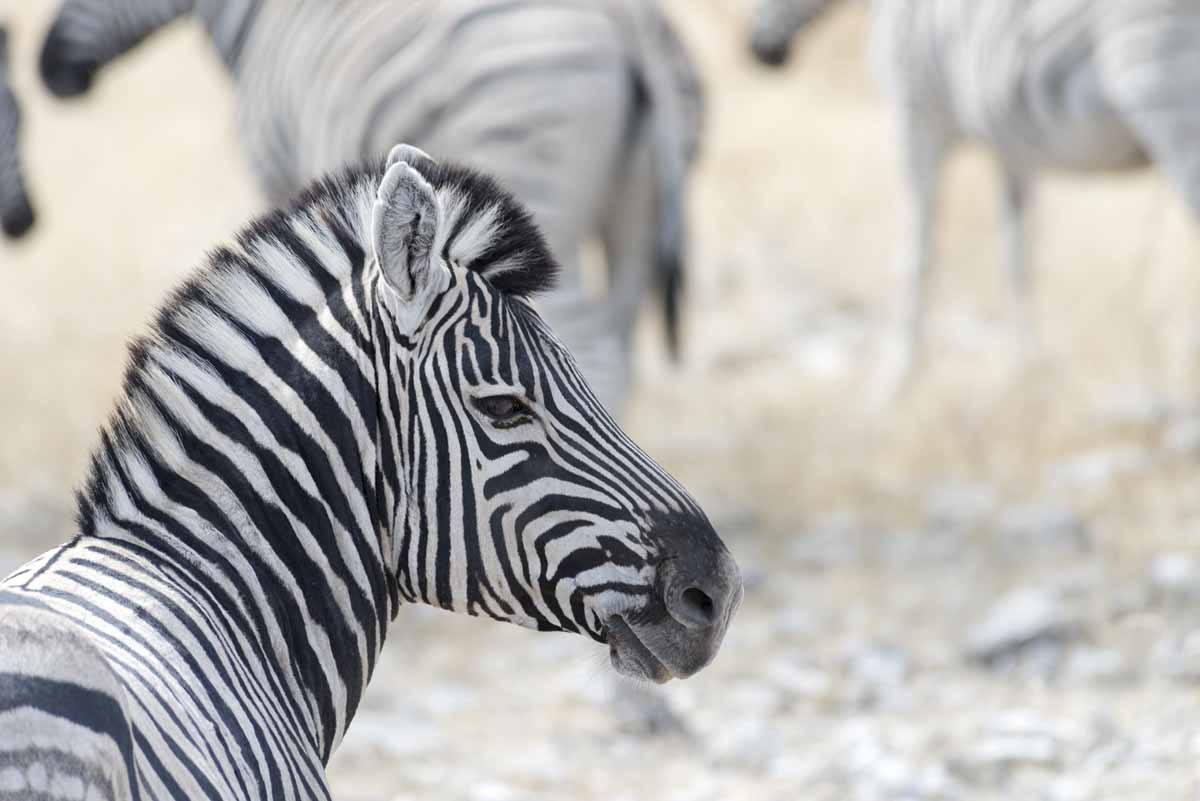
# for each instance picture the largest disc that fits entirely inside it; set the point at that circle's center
(491, 233)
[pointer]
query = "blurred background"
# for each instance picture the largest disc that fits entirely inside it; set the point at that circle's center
(986, 588)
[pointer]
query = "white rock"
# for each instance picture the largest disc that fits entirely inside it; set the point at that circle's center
(1011, 742)
(1175, 578)
(1096, 469)
(958, 503)
(1178, 657)
(492, 791)
(1099, 666)
(1023, 618)
(803, 680)
(445, 698)
(838, 540)
(879, 663)
(1041, 525)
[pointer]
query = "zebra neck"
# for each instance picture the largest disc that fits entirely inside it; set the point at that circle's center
(244, 451)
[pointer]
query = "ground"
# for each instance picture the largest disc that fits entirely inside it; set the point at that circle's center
(986, 589)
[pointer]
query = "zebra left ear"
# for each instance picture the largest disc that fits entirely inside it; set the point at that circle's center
(404, 226)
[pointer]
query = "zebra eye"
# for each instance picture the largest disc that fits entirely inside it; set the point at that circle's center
(503, 409)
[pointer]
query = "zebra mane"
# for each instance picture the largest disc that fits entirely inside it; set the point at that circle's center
(488, 230)
(320, 240)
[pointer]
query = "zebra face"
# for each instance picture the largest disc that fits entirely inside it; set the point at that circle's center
(522, 499)
(87, 34)
(775, 23)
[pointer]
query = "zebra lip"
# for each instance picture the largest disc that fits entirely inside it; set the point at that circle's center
(630, 656)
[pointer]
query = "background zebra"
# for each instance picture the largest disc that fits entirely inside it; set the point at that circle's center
(351, 408)
(16, 214)
(1067, 84)
(588, 111)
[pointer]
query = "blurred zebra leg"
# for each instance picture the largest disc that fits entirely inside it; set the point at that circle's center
(1015, 190)
(1149, 66)
(629, 237)
(922, 149)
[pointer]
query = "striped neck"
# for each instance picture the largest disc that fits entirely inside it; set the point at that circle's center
(245, 449)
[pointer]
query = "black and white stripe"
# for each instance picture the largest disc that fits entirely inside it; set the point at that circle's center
(587, 110)
(352, 407)
(16, 213)
(1086, 85)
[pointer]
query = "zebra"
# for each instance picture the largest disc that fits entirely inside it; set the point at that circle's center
(16, 213)
(548, 95)
(1080, 85)
(351, 408)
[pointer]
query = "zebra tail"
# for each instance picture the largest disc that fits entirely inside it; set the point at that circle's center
(676, 101)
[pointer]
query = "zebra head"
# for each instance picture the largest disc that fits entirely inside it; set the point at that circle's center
(87, 34)
(16, 214)
(520, 498)
(776, 22)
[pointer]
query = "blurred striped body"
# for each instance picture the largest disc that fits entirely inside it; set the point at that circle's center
(1085, 85)
(352, 408)
(586, 109)
(16, 214)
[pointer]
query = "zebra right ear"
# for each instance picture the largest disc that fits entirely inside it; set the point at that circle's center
(404, 226)
(414, 156)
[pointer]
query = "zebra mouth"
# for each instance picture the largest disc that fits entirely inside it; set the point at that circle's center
(630, 656)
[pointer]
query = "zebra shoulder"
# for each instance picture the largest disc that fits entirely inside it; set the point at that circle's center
(57, 687)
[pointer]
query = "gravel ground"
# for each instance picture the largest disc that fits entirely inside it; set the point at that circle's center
(988, 589)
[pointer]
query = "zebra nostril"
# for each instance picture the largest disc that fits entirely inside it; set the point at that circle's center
(693, 608)
(698, 605)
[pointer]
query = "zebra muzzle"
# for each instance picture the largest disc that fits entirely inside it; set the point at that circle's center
(630, 656)
(698, 588)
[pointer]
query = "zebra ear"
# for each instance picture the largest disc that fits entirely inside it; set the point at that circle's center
(404, 226)
(415, 157)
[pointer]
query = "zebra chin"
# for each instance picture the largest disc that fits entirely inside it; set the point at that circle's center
(652, 646)
(697, 589)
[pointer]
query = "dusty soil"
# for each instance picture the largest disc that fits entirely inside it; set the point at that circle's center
(988, 589)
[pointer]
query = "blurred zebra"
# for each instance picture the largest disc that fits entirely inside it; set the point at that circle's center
(1086, 85)
(16, 213)
(351, 408)
(588, 110)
